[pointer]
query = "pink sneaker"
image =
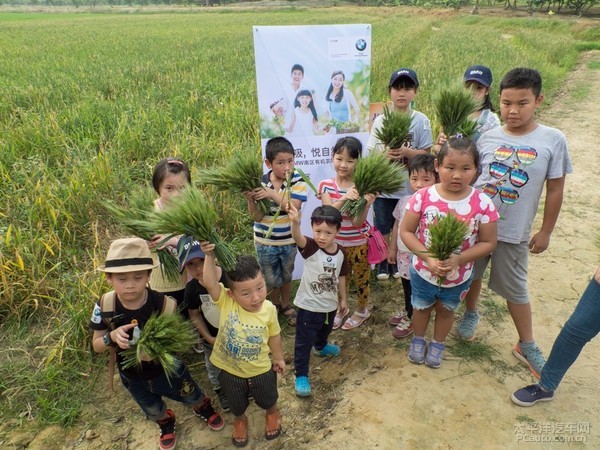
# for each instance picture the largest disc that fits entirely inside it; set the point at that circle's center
(397, 318)
(403, 329)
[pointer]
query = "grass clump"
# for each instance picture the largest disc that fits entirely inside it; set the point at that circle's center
(374, 174)
(473, 351)
(134, 218)
(242, 173)
(192, 215)
(394, 128)
(453, 105)
(161, 339)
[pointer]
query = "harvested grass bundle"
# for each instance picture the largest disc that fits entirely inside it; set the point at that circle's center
(394, 128)
(242, 173)
(453, 105)
(374, 174)
(447, 234)
(161, 339)
(134, 218)
(192, 215)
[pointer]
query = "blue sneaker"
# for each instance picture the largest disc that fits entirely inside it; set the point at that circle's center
(303, 388)
(328, 350)
(531, 355)
(435, 353)
(530, 395)
(466, 327)
(416, 352)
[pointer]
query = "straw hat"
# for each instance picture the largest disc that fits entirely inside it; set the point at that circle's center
(128, 255)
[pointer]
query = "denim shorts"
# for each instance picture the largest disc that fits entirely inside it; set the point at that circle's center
(383, 208)
(148, 393)
(277, 263)
(425, 294)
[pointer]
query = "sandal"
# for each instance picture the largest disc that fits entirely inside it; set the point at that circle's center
(290, 317)
(339, 318)
(272, 425)
(239, 438)
(353, 323)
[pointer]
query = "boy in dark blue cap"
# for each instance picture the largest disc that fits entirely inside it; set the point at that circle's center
(198, 307)
(403, 87)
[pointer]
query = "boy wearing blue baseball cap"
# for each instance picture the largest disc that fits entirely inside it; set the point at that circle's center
(198, 307)
(403, 87)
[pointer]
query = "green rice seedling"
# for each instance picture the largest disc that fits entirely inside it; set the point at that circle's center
(192, 214)
(453, 105)
(447, 234)
(134, 218)
(394, 128)
(374, 174)
(161, 339)
(242, 173)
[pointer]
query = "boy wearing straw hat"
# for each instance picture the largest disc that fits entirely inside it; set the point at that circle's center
(117, 320)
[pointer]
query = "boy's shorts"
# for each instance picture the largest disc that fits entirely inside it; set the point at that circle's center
(508, 272)
(262, 387)
(148, 393)
(277, 263)
(383, 208)
(425, 294)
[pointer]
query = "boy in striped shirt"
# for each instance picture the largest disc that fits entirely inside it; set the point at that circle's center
(276, 253)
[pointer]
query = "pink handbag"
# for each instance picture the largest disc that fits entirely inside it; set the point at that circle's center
(377, 248)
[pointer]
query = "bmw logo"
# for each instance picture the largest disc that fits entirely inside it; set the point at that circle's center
(360, 45)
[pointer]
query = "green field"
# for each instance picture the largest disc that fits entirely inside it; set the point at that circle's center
(90, 102)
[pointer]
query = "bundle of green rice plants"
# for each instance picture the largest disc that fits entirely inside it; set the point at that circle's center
(242, 173)
(192, 214)
(134, 219)
(161, 339)
(447, 234)
(374, 174)
(394, 128)
(453, 105)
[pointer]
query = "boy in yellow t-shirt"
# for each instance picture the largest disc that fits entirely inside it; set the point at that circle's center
(248, 331)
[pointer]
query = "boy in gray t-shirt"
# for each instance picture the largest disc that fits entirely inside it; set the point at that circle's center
(403, 88)
(517, 160)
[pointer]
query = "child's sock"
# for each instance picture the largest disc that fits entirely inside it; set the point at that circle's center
(433, 341)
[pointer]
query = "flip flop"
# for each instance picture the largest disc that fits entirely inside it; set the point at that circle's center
(352, 323)
(272, 425)
(239, 438)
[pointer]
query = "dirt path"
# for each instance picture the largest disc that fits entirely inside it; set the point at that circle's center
(373, 397)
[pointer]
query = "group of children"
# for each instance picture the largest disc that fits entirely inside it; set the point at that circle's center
(499, 177)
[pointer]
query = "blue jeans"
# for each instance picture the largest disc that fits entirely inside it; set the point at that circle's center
(277, 263)
(582, 327)
(383, 208)
(148, 393)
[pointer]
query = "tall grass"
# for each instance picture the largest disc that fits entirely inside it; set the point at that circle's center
(89, 103)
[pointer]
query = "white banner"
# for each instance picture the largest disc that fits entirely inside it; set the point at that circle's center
(313, 88)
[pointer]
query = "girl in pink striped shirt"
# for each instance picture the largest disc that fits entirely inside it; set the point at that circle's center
(352, 234)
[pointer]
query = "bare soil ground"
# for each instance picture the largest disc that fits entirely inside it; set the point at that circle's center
(371, 396)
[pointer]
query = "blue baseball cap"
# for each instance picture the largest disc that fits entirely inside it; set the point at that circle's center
(187, 249)
(403, 72)
(480, 74)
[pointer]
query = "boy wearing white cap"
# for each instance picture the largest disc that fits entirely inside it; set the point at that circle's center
(127, 268)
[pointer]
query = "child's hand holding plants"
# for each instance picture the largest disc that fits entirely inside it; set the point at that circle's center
(207, 248)
(370, 198)
(351, 194)
(120, 336)
(293, 214)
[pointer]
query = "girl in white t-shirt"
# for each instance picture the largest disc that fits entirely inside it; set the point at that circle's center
(304, 118)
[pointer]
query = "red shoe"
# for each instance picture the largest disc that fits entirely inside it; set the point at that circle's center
(206, 412)
(403, 329)
(167, 431)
